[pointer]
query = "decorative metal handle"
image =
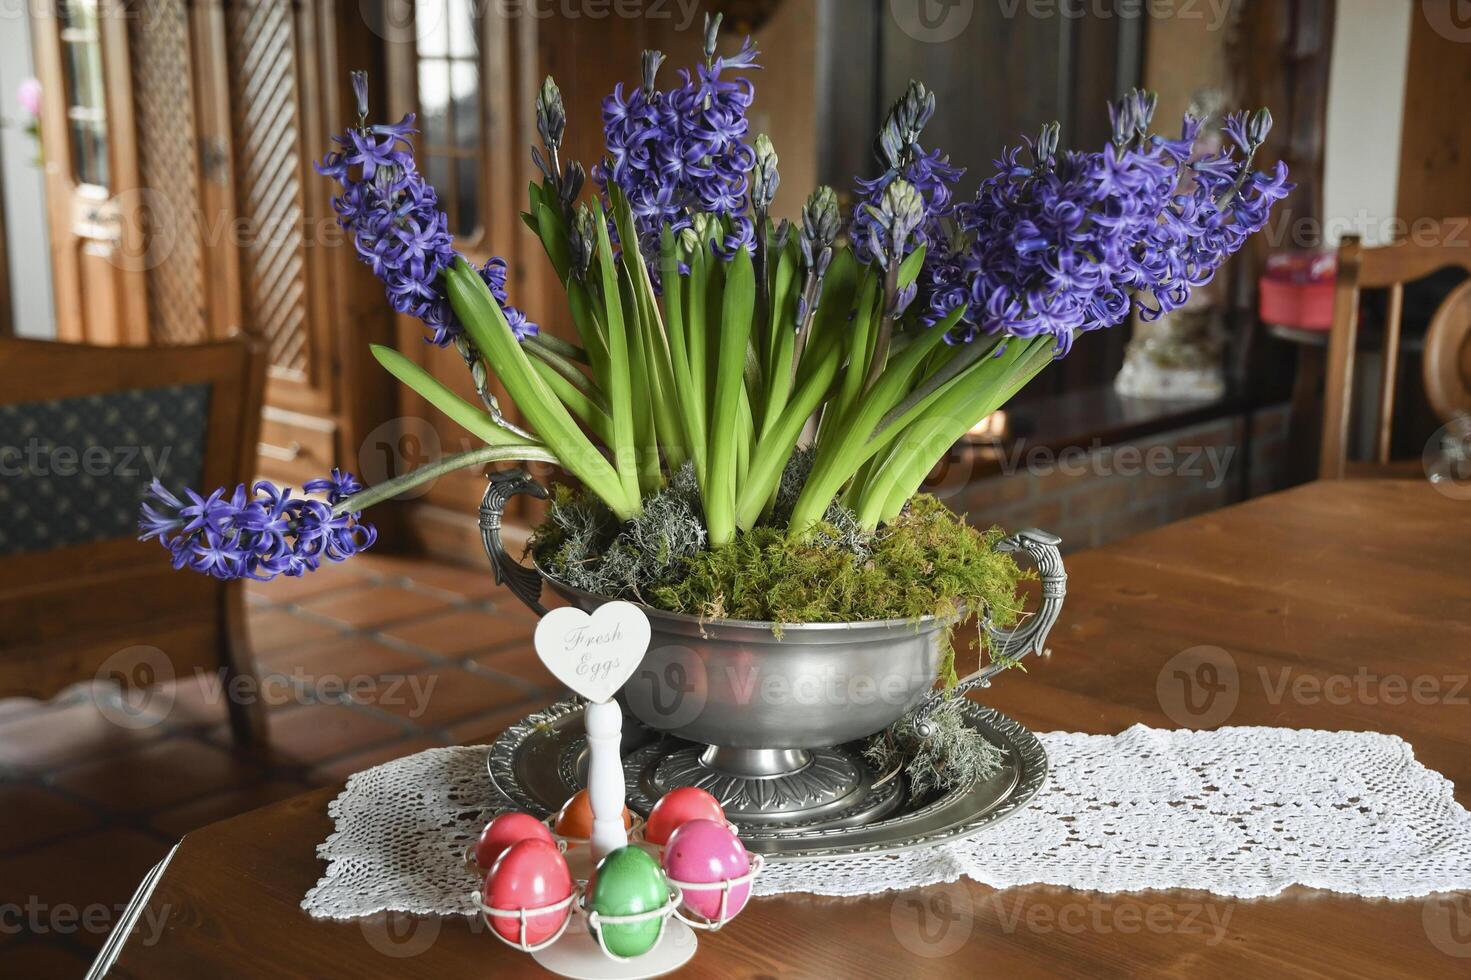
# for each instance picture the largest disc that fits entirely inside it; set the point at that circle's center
(524, 583)
(1013, 643)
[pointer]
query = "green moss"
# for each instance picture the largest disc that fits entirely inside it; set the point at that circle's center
(928, 561)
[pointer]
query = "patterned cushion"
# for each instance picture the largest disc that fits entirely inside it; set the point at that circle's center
(73, 470)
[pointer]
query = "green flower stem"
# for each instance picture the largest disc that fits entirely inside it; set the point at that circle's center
(665, 395)
(486, 455)
(897, 277)
(969, 354)
(781, 367)
(775, 447)
(565, 369)
(474, 420)
(857, 370)
(695, 333)
(880, 356)
(851, 443)
(947, 421)
(725, 417)
(662, 393)
(589, 328)
(558, 346)
(485, 323)
(691, 409)
(642, 384)
(594, 416)
(619, 383)
(745, 436)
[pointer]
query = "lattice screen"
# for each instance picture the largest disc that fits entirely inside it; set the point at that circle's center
(267, 116)
(163, 92)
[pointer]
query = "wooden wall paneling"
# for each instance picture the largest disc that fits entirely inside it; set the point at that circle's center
(46, 48)
(126, 258)
(1435, 144)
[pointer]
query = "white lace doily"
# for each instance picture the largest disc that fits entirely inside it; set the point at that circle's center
(1239, 811)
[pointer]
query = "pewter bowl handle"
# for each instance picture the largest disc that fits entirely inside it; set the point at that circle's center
(524, 583)
(1015, 642)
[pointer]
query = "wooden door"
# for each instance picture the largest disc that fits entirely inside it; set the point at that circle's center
(95, 203)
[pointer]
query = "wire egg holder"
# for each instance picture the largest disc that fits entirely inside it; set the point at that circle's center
(489, 913)
(596, 920)
(574, 905)
(694, 919)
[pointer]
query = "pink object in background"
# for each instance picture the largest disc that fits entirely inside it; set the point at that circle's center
(29, 96)
(1296, 290)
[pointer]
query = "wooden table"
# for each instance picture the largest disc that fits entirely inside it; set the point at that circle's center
(1316, 584)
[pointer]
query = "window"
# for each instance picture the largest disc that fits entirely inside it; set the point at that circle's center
(86, 112)
(450, 108)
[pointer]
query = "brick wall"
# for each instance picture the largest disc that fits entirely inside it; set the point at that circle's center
(1090, 495)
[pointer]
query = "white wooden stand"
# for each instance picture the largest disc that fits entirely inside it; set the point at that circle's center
(564, 639)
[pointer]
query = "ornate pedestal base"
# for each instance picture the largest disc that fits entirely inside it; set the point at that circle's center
(766, 788)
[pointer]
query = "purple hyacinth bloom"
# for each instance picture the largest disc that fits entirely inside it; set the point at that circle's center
(680, 152)
(933, 176)
(257, 534)
(1077, 241)
(399, 231)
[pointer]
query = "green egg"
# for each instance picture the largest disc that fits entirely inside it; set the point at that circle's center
(629, 881)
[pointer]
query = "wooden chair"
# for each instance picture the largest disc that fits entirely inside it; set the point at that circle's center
(83, 432)
(1447, 367)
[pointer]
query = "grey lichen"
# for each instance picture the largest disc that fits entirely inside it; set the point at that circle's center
(954, 755)
(645, 552)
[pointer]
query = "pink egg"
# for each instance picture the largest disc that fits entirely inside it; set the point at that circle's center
(530, 874)
(678, 807)
(704, 851)
(505, 830)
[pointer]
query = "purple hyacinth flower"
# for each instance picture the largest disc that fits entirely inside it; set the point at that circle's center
(680, 152)
(396, 224)
(258, 533)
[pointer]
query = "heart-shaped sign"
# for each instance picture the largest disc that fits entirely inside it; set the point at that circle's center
(593, 655)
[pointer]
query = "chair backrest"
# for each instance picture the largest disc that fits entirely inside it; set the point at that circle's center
(1447, 362)
(83, 431)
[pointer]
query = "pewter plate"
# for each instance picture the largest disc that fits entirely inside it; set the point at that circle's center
(541, 760)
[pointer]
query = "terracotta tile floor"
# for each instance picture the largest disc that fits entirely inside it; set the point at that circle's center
(359, 664)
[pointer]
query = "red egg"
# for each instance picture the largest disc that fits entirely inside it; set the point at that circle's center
(574, 820)
(677, 807)
(702, 852)
(530, 874)
(505, 830)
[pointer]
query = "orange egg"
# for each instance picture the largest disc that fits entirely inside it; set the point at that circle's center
(574, 820)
